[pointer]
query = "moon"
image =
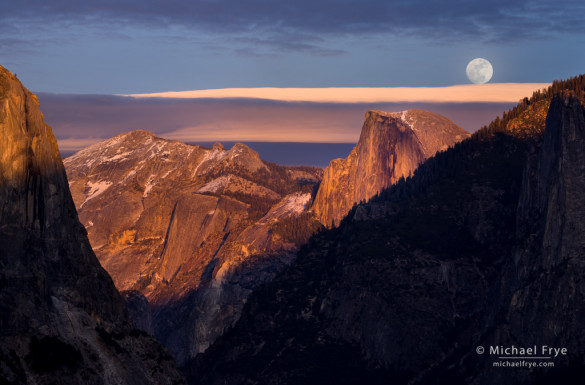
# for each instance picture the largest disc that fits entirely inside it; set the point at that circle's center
(479, 71)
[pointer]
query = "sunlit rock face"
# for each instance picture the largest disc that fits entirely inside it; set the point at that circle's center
(391, 146)
(61, 318)
(191, 228)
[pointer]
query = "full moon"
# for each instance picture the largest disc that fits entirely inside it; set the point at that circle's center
(479, 71)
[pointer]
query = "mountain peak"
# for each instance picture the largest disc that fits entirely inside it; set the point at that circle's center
(179, 222)
(239, 145)
(138, 133)
(391, 145)
(5, 77)
(239, 149)
(380, 113)
(435, 132)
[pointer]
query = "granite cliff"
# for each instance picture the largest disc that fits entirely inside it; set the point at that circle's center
(193, 229)
(62, 321)
(482, 247)
(544, 282)
(391, 146)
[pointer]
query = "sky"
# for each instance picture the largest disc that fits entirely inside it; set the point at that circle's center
(141, 46)
(79, 51)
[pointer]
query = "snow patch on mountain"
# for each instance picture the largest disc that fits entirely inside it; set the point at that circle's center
(290, 205)
(149, 185)
(215, 154)
(95, 189)
(215, 185)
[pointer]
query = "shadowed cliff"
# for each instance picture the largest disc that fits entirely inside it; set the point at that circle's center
(62, 321)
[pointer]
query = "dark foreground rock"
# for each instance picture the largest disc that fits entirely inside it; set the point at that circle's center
(62, 321)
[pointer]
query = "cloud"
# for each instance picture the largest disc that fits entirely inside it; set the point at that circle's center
(469, 93)
(300, 25)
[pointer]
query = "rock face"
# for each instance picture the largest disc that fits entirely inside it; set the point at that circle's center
(482, 247)
(61, 318)
(189, 227)
(391, 146)
(549, 270)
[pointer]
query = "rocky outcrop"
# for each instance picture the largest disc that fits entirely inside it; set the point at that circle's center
(189, 227)
(483, 247)
(391, 146)
(61, 318)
